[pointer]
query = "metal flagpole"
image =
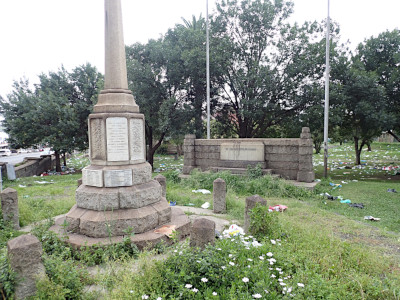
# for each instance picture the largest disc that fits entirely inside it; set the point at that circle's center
(208, 74)
(326, 112)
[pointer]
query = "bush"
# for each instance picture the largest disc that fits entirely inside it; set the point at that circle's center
(264, 223)
(7, 276)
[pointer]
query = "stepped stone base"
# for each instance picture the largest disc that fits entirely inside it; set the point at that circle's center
(144, 240)
(115, 222)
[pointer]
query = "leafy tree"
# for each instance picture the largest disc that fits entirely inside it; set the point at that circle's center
(362, 108)
(265, 63)
(382, 55)
(55, 112)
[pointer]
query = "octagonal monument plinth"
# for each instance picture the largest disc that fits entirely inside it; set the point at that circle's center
(118, 195)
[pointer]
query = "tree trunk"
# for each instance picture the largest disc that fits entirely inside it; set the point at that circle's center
(317, 147)
(64, 159)
(394, 135)
(58, 162)
(358, 150)
(369, 147)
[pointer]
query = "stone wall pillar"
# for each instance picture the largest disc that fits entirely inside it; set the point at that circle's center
(9, 206)
(219, 196)
(202, 233)
(306, 171)
(163, 182)
(251, 202)
(189, 154)
(25, 255)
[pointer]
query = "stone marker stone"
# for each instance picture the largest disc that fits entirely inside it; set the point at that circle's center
(10, 172)
(202, 233)
(251, 202)
(163, 182)
(115, 178)
(245, 151)
(9, 206)
(25, 255)
(219, 196)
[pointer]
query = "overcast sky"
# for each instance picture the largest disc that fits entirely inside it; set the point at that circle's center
(37, 36)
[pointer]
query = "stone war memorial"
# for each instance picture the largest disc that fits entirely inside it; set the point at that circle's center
(118, 194)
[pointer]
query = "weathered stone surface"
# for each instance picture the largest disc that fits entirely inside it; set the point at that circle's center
(305, 133)
(73, 217)
(140, 195)
(202, 233)
(283, 165)
(242, 150)
(118, 177)
(97, 134)
(219, 196)
(163, 182)
(281, 157)
(141, 173)
(136, 140)
(117, 139)
(187, 169)
(92, 177)
(287, 174)
(115, 223)
(164, 211)
(9, 206)
(143, 240)
(79, 182)
(25, 255)
(251, 202)
(305, 176)
(97, 198)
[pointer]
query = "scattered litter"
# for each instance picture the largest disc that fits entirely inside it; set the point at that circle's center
(25, 196)
(317, 180)
(335, 185)
(43, 182)
(233, 230)
(345, 201)
(344, 182)
(203, 191)
(357, 205)
(371, 218)
(172, 203)
(205, 205)
(391, 190)
(22, 186)
(278, 207)
(166, 229)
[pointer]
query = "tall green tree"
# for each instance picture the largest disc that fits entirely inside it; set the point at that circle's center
(265, 61)
(55, 112)
(381, 55)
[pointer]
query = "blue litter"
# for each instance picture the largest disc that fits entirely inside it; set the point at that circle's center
(345, 201)
(172, 203)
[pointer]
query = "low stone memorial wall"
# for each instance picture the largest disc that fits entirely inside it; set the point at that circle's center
(289, 158)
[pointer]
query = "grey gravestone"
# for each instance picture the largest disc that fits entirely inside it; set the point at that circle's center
(163, 182)
(25, 255)
(9, 206)
(219, 195)
(251, 202)
(202, 233)
(10, 172)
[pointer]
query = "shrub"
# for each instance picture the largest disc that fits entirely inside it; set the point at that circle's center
(264, 223)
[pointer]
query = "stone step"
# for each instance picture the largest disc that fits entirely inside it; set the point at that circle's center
(238, 171)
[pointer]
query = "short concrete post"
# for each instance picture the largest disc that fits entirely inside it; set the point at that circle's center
(306, 172)
(9, 205)
(219, 195)
(251, 202)
(189, 155)
(25, 255)
(163, 182)
(202, 233)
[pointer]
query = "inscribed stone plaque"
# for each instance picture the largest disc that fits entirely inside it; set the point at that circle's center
(136, 139)
(248, 151)
(115, 178)
(92, 177)
(97, 139)
(117, 139)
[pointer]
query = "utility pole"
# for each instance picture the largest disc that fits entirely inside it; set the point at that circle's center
(326, 112)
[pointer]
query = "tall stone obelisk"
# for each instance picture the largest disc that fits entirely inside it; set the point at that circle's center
(117, 192)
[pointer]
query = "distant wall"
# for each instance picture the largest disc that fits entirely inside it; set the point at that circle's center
(290, 158)
(35, 166)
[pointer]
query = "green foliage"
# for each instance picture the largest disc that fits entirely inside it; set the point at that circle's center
(264, 223)
(163, 149)
(254, 172)
(7, 275)
(172, 176)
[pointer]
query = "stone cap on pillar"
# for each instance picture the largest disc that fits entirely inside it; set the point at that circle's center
(305, 133)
